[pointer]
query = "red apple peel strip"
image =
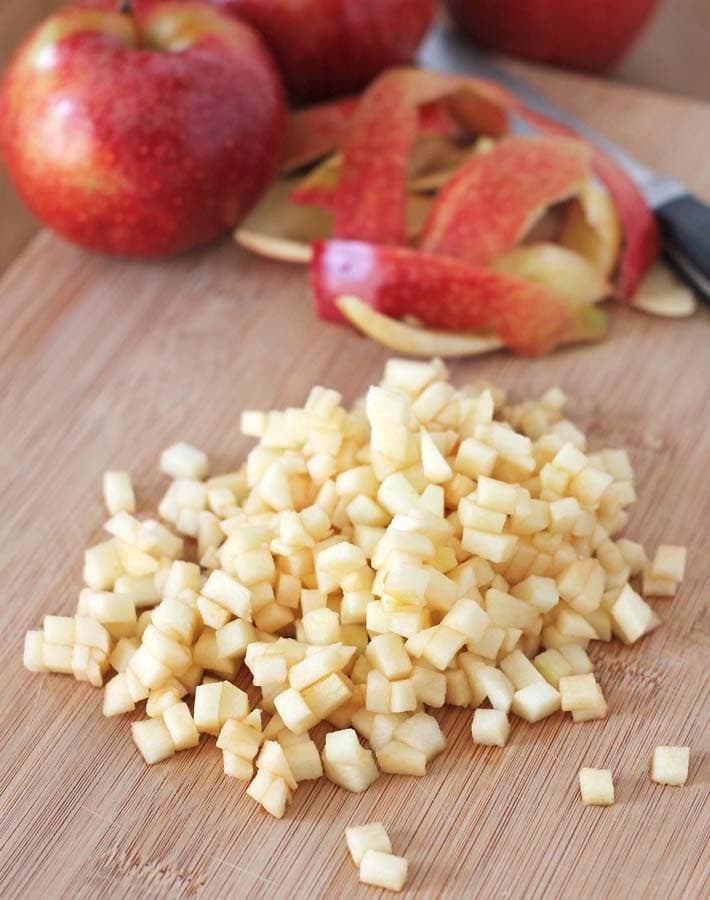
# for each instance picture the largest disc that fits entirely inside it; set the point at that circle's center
(488, 204)
(370, 198)
(448, 294)
(641, 236)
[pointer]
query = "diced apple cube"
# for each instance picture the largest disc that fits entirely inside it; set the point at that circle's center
(578, 692)
(520, 670)
(669, 765)
(117, 699)
(181, 726)
(490, 727)
(295, 712)
(118, 492)
(182, 460)
(304, 761)
(361, 838)
(102, 566)
(153, 740)
(596, 787)
(535, 702)
(398, 758)
(383, 870)
(422, 732)
(631, 616)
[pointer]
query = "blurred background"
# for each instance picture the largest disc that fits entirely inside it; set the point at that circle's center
(672, 54)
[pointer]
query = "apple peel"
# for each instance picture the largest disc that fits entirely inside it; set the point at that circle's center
(641, 237)
(489, 204)
(448, 294)
(557, 268)
(281, 230)
(370, 198)
(661, 293)
(316, 131)
(409, 339)
(592, 228)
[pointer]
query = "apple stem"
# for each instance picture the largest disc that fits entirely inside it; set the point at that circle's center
(125, 8)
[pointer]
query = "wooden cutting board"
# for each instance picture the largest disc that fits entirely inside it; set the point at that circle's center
(103, 363)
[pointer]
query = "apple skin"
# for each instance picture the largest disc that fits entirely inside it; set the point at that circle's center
(133, 151)
(328, 48)
(583, 34)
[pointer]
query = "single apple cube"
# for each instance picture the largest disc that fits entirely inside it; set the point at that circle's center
(577, 658)
(118, 492)
(295, 712)
(490, 727)
(654, 586)
(236, 766)
(383, 870)
(153, 740)
(102, 566)
(596, 787)
(304, 760)
(117, 699)
(535, 702)
(631, 616)
(422, 732)
(361, 838)
(182, 460)
(398, 758)
(669, 562)
(578, 692)
(552, 665)
(669, 765)
(32, 658)
(181, 725)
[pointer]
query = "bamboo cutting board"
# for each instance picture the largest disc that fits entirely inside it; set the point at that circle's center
(103, 363)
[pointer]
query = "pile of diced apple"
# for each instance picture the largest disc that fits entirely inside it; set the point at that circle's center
(429, 546)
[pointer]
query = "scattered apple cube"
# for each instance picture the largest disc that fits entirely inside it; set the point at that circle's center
(669, 765)
(490, 727)
(383, 870)
(596, 787)
(361, 838)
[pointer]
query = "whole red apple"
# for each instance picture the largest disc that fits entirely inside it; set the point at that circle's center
(326, 48)
(141, 133)
(584, 34)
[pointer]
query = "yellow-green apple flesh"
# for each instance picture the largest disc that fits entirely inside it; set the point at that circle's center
(141, 133)
(584, 34)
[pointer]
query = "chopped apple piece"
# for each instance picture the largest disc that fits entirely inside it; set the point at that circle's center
(490, 727)
(596, 787)
(361, 838)
(383, 870)
(669, 765)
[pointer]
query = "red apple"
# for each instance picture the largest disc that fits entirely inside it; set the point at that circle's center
(141, 133)
(327, 48)
(584, 34)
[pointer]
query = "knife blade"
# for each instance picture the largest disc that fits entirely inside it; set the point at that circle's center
(684, 220)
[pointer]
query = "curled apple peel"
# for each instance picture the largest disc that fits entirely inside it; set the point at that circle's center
(448, 294)
(493, 200)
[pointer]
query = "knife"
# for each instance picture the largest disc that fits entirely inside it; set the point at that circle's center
(683, 219)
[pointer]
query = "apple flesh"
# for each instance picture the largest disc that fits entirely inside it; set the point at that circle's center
(145, 133)
(585, 34)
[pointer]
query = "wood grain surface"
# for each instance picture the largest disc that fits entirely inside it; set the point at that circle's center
(103, 363)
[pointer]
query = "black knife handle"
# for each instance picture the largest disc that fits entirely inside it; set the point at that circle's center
(685, 229)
